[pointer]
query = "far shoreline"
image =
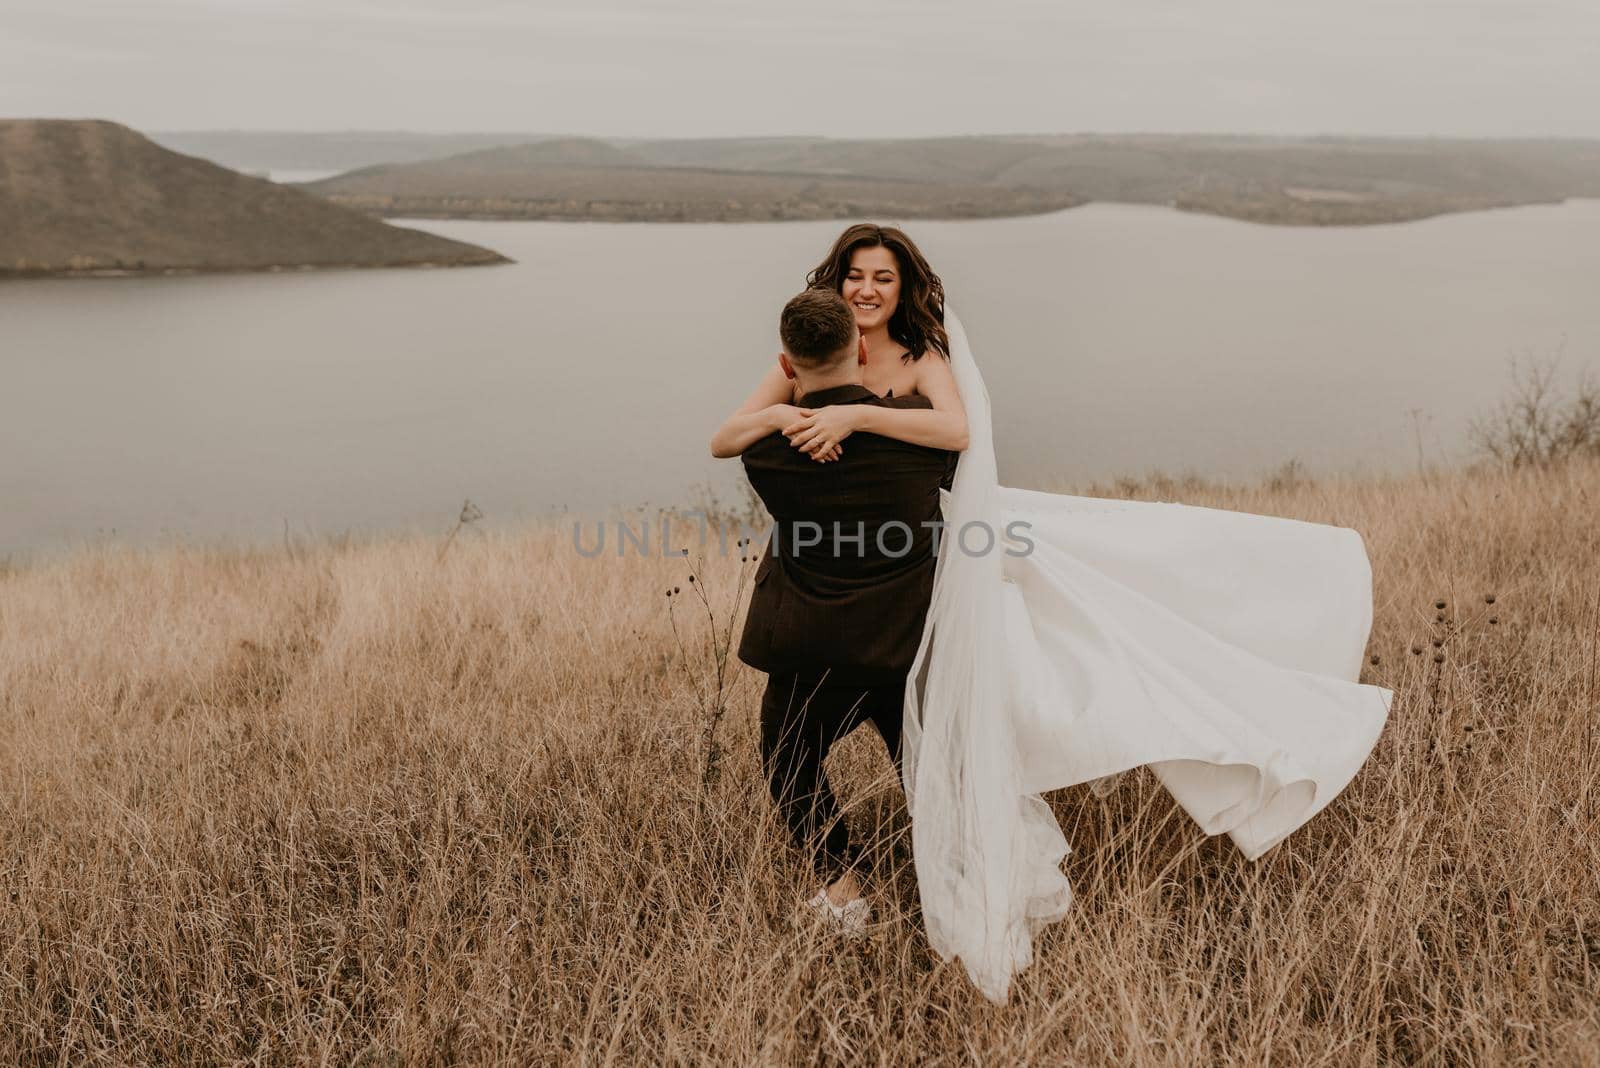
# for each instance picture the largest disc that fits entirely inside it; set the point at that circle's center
(1401, 214)
(90, 273)
(400, 218)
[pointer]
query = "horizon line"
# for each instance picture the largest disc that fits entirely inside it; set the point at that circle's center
(1238, 134)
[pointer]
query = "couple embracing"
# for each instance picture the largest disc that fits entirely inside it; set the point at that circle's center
(1068, 640)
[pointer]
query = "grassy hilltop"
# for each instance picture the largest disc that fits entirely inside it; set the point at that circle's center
(414, 801)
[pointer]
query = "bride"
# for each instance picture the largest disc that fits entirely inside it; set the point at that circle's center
(1221, 649)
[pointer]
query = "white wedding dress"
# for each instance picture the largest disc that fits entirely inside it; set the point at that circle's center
(1220, 648)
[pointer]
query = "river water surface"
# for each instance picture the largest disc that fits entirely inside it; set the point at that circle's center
(1114, 340)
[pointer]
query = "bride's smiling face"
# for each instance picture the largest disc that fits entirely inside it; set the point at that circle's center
(872, 286)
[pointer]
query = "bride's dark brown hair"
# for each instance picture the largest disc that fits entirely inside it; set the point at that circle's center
(918, 320)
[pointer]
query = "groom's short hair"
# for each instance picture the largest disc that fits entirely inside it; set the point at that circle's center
(817, 328)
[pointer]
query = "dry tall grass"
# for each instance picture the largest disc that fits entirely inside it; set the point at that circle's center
(363, 804)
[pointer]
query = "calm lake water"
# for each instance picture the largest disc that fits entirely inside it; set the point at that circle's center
(590, 374)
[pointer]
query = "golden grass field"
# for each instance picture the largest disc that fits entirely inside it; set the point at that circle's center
(364, 803)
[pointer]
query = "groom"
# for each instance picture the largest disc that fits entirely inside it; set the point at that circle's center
(842, 590)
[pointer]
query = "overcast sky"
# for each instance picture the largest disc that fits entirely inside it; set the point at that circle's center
(880, 68)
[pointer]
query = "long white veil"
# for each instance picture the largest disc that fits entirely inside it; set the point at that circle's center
(987, 854)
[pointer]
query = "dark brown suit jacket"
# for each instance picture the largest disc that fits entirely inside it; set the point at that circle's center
(854, 607)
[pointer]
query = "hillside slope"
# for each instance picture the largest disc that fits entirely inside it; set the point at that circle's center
(82, 197)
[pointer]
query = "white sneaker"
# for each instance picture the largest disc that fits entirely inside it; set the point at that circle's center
(850, 919)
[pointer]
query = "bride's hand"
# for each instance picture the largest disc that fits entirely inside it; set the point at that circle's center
(821, 431)
(780, 416)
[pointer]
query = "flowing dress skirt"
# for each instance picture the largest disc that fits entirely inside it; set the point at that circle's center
(1220, 648)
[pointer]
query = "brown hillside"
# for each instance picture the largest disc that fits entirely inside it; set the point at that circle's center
(90, 196)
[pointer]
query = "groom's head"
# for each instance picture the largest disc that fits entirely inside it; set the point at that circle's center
(821, 345)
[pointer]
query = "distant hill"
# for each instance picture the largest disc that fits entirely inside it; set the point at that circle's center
(345, 150)
(586, 178)
(96, 197)
(1314, 181)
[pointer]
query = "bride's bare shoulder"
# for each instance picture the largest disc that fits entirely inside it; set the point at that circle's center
(932, 371)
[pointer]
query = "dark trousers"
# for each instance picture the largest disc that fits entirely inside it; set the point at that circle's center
(802, 715)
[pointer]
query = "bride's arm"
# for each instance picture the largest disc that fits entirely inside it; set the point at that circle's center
(944, 426)
(767, 410)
